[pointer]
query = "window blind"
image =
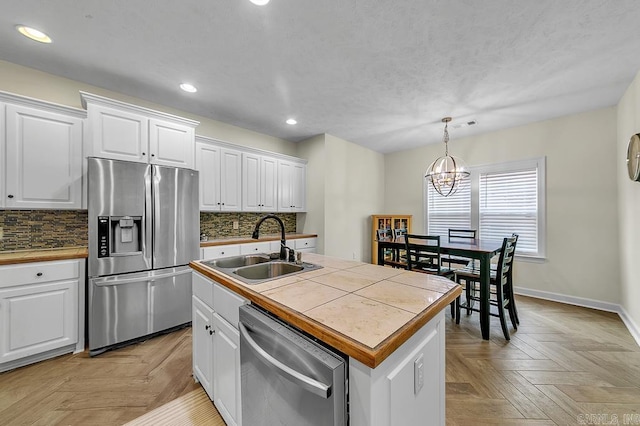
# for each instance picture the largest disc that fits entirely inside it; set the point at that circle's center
(452, 212)
(508, 203)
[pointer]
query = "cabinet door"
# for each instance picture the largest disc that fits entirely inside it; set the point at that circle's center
(285, 177)
(226, 371)
(230, 180)
(44, 159)
(203, 356)
(171, 144)
(251, 183)
(118, 135)
(208, 166)
(269, 184)
(298, 187)
(37, 318)
(3, 197)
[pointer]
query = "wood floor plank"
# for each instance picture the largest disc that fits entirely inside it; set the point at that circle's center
(563, 362)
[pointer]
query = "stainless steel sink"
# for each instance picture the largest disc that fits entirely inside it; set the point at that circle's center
(258, 268)
(238, 261)
(268, 270)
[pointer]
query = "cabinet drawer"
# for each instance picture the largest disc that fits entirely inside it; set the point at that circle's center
(264, 247)
(202, 288)
(274, 246)
(218, 252)
(305, 243)
(39, 272)
(226, 303)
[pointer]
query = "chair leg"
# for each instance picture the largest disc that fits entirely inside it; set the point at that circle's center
(467, 294)
(458, 310)
(512, 315)
(453, 308)
(503, 319)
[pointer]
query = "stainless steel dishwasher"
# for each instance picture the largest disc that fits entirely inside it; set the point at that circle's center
(287, 378)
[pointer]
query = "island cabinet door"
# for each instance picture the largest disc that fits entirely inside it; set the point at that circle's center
(226, 371)
(202, 329)
(407, 388)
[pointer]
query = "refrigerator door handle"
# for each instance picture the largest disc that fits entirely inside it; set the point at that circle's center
(105, 282)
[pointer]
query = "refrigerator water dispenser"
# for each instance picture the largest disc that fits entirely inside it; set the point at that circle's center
(119, 235)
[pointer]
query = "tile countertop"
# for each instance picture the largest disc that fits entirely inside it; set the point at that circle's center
(248, 239)
(366, 311)
(41, 255)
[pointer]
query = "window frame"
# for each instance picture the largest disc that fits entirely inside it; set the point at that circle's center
(508, 166)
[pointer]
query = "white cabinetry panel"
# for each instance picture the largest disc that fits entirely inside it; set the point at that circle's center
(226, 371)
(43, 159)
(220, 171)
(122, 131)
(259, 183)
(202, 329)
(118, 134)
(171, 144)
(291, 186)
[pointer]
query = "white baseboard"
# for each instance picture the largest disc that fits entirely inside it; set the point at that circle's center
(587, 303)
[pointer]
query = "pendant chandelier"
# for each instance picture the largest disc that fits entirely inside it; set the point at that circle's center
(447, 173)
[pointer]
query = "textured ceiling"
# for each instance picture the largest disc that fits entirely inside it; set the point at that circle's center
(378, 73)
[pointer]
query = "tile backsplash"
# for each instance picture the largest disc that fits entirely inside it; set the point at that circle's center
(220, 225)
(39, 229)
(45, 229)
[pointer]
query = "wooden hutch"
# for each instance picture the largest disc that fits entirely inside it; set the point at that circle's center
(389, 222)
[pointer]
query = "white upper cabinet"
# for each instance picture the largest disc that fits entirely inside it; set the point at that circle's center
(220, 170)
(291, 186)
(259, 183)
(41, 155)
(122, 131)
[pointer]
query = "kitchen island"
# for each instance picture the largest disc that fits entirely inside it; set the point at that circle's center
(389, 322)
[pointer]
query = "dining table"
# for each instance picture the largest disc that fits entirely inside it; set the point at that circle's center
(478, 249)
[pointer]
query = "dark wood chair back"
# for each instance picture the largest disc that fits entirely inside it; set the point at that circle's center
(399, 232)
(423, 253)
(462, 234)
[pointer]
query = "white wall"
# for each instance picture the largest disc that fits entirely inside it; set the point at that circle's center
(628, 124)
(582, 213)
(354, 190)
(313, 221)
(345, 188)
(37, 84)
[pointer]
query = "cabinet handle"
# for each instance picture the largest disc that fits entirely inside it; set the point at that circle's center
(39, 274)
(144, 153)
(206, 327)
(221, 252)
(211, 332)
(153, 155)
(9, 196)
(223, 204)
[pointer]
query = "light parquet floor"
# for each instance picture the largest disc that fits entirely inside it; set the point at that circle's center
(564, 366)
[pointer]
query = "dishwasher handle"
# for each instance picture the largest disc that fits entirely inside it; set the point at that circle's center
(294, 376)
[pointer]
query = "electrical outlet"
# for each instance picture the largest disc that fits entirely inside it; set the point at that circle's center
(418, 374)
(236, 224)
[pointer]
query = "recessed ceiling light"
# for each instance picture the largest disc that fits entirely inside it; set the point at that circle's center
(291, 121)
(260, 2)
(33, 34)
(188, 87)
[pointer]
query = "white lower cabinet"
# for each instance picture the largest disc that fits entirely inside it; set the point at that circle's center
(216, 345)
(40, 313)
(218, 252)
(226, 370)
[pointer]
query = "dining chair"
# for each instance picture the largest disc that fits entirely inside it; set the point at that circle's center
(459, 235)
(390, 256)
(501, 288)
(400, 254)
(423, 255)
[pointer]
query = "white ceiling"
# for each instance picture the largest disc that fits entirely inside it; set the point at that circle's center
(378, 73)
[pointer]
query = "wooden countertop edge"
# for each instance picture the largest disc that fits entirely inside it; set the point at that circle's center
(243, 240)
(371, 357)
(43, 255)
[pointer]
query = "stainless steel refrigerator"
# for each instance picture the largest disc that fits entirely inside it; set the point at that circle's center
(144, 224)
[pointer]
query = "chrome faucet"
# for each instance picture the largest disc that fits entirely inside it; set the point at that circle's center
(283, 242)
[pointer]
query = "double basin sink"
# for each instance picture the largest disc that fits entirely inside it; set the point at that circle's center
(258, 268)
